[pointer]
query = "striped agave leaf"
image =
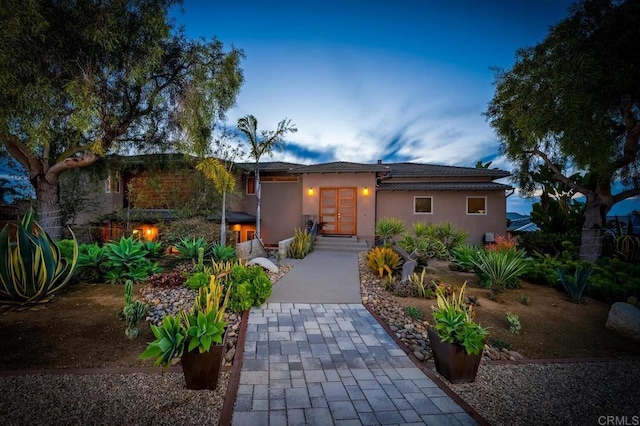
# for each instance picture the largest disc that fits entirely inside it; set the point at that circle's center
(31, 267)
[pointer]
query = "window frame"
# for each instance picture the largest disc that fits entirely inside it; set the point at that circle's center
(415, 198)
(480, 212)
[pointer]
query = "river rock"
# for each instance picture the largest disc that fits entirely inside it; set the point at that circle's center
(265, 263)
(624, 319)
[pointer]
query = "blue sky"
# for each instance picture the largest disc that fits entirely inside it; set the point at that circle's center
(402, 80)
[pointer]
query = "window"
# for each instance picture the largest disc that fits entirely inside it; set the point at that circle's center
(251, 181)
(113, 183)
(251, 185)
(477, 205)
(422, 205)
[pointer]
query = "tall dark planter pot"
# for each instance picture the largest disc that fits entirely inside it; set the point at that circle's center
(452, 361)
(201, 370)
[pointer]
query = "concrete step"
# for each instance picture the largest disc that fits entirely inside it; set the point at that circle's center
(346, 244)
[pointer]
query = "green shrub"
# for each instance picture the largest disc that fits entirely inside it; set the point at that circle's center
(425, 247)
(514, 323)
(387, 228)
(413, 313)
(31, 267)
(301, 244)
(499, 270)
(154, 248)
(250, 286)
(127, 259)
(241, 298)
(67, 248)
(500, 344)
(91, 262)
(197, 280)
(383, 259)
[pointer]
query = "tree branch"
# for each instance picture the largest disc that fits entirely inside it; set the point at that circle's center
(626, 194)
(632, 127)
(23, 154)
(557, 174)
(70, 163)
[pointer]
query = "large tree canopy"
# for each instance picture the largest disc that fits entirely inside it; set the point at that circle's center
(80, 79)
(572, 103)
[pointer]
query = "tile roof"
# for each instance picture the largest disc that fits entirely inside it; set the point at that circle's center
(417, 169)
(442, 186)
(270, 166)
(342, 167)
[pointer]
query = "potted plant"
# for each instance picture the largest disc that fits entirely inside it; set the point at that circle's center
(456, 340)
(197, 337)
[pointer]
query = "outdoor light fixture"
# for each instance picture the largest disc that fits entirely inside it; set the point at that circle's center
(365, 191)
(236, 227)
(310, 191)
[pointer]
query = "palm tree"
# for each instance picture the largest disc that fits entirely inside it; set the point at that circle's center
(213, 169)
(268, 142)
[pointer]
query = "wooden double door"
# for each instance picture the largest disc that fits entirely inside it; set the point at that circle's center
(338, 209)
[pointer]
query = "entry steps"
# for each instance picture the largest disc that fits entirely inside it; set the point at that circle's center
(331, 243)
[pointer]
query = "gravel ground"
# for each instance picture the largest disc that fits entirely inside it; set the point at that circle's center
(108, 399)
(571, 393)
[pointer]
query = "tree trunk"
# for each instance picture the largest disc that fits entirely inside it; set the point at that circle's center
(223, 220)
(48, 206)
(258, 190)
(595, 219)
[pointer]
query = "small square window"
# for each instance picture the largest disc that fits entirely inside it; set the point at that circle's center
(477, 205)
(423, 205)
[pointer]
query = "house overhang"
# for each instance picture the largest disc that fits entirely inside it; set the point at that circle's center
(442, 186)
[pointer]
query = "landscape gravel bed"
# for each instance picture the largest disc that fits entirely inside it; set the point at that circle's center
(562, 393)
(524, 392)
(108, 399)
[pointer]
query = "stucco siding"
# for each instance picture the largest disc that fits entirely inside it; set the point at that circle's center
(365, 203)
(451, 206)
(280, 207)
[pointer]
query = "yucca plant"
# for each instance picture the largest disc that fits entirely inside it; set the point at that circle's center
(31, 267)
(463, 256)
(499, 270)
(301, 244)
(383, 259)
(387, 228)
(449, 234)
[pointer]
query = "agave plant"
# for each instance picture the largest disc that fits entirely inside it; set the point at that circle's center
(575, 287)
(31, 267)
(222, 252)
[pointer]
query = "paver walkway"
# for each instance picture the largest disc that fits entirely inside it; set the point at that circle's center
(332, 363)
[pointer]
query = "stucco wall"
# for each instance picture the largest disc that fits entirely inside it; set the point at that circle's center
(449, 206)
(280, 210)
(365, 204)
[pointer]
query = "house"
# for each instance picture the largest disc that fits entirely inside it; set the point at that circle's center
(347, 199)
(343, 198)
(519, 223)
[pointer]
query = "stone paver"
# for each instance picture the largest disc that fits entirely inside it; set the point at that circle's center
(323, 364)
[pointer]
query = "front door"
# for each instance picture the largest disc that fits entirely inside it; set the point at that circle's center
(338, 211)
